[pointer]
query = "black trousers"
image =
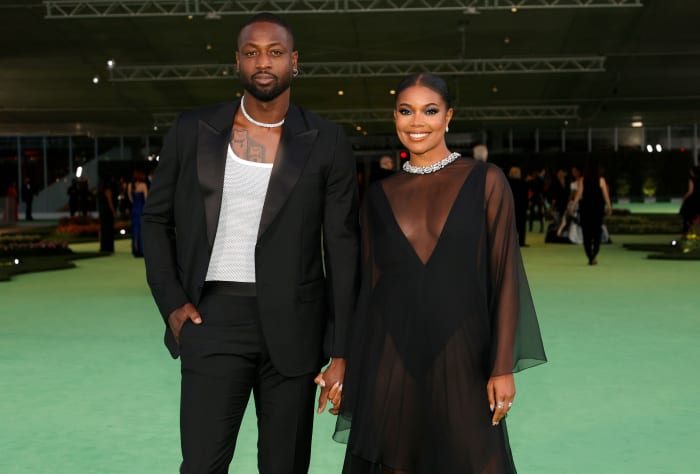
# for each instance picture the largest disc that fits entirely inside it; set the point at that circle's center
(223, 360)
(591, 230)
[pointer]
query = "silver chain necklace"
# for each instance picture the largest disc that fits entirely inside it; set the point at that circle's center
(409, 168)
(255, 122)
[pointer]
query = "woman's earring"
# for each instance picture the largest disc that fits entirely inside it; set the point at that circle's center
(447, 129)
(295, 72)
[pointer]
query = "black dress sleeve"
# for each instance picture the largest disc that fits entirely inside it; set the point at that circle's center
(516, 341)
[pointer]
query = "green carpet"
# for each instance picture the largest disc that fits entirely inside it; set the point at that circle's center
(86, 385)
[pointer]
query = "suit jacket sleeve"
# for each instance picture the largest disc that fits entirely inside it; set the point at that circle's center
(341, 247)
(159, 229)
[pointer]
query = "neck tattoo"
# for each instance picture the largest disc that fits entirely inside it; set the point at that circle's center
(255, 122)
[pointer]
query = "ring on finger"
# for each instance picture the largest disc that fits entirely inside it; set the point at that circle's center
(500, 405)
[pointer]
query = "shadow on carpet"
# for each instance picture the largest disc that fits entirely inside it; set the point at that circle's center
(31, 264)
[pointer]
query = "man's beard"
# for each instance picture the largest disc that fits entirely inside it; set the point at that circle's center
(269, 93)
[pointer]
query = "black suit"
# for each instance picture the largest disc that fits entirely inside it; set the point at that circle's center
(305, 296)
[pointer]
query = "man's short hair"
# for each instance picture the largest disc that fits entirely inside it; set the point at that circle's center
(480, 152)
(266, 17)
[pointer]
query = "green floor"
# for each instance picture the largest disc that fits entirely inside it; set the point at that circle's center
(87, 387)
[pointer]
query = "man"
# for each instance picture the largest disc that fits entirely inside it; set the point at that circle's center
(28, 198)
(480, 153)
(385, 168)
(246, 196)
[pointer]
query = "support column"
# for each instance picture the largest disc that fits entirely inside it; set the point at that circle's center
(70, 158)
(696, 145)
(563, 140)
(44, 146)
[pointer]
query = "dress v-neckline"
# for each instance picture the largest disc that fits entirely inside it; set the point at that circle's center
(405, 239)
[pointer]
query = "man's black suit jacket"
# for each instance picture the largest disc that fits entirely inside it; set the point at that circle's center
(306, 255)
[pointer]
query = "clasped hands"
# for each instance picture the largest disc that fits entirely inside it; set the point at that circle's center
(331, 383)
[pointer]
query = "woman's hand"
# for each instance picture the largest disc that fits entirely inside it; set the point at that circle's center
(501, 393)
(331, 383)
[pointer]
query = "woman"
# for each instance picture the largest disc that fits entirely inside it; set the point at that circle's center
(592, 194)
(690, 209)
(444, 316)
(138, 192)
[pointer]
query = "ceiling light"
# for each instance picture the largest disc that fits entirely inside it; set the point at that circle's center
(392, 91)
(189, 17)
(155, 128)
(341, 92)
(95, 79)
(209, 47)
(650, 148)
(494, 89)
(514, 10)
(506, 40)
(79, 172)
(110, 63)
(638, 124)
(658, 148)
(358, 128)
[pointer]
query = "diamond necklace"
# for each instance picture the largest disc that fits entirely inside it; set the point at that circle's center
(409, 168)
(255, 122)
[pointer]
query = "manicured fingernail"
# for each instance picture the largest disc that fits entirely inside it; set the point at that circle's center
(491, 407)
(198, 320)
(495, 424)
(322, 383)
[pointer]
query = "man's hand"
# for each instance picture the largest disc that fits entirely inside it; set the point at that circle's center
(501, 392)
(331, 383)
(177, 319)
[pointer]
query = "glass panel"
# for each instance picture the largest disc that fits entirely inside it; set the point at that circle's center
(682, 139)
(33, 161)
(630, 138)
(577, 140)
(656, 139)
(603, 139)
(108, 148)
(8, 165)
(83, 151)
(57, 159)
(523, 141)
(550, 140)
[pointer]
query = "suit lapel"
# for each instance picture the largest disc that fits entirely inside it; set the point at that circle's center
(212, 147)
(295, 146)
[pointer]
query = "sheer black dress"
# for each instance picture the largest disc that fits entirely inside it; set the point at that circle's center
(444, 305)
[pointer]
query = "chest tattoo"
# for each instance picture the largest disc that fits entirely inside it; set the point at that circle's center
(247, 148)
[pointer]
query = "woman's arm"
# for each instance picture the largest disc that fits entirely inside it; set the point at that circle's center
(606, 195)
(691, 188)
(579, 194)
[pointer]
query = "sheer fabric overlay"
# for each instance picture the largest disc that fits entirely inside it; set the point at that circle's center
(444, 304)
